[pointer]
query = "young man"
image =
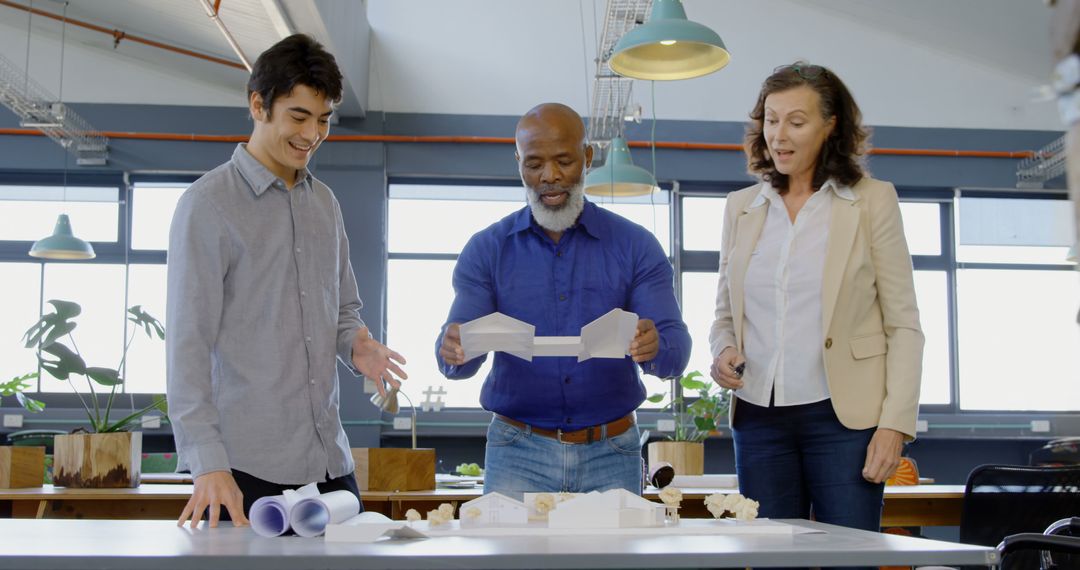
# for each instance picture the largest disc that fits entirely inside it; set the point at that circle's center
(558, 264)
(261, 299)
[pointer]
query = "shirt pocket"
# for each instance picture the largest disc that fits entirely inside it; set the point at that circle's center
(867, 346)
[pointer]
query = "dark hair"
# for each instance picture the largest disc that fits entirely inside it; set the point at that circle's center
(841, 154)
(297, 59)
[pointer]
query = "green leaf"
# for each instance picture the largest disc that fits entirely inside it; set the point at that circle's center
(104, 376)
(704, 424)
(52, 326)
(66, 363)
(150, 325)
(656, 398)
(17, 384)
(689, 383)
(30, 404)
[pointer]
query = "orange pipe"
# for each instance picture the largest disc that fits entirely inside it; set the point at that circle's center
(510, 140)
(118, 35)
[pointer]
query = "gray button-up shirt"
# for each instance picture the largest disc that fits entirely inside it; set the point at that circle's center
(261, 297)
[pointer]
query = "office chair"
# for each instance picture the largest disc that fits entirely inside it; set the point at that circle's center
(1004, 500)
(1058, 546)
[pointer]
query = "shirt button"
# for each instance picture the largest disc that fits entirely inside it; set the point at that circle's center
(303, 293)
(828, 343)
(566, 380)
(558, 254)
(307, 339)
(297, 250)
(569, 421)
(562, 297)
(311, 381)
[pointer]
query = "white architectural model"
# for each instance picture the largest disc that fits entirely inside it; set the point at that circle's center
(494, 509)
(617, 508)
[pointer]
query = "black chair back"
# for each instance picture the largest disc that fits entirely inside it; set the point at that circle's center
(1002, 500)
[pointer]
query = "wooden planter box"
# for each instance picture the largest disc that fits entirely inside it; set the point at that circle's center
(394, 469)
(688, 458)
(97, 460)
(21, 467)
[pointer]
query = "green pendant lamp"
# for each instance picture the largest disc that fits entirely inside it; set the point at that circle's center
(618, 176)
(62, 244)
(669, 47)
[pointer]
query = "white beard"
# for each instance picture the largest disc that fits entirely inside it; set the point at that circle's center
(557, 219)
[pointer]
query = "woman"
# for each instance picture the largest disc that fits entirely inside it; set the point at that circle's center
(816, 328)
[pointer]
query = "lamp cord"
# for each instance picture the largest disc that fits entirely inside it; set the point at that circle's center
(26, 79)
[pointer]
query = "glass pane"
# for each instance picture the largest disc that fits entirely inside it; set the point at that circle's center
(146, 356)
(418, 299)
(922, 227)
(19, 305)
(442, 226)
(152, 211)
(703, 223)
(1014, 230)
(698, 305)
(99, 337)
(1019, 340)
(931, 292)
(31, 221)
(654, 217)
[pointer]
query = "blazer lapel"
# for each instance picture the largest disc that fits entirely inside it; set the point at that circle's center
(748, 230)
(842, 229)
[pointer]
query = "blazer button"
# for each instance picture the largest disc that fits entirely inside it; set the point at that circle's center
(828, 343)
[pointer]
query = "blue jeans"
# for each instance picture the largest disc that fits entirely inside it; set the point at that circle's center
(800, 460)
(518, 461)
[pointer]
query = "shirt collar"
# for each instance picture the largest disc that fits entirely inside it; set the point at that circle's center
(258, 176)
(769, 193)
(589, 220)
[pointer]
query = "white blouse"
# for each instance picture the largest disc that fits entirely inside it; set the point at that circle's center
(783, 301)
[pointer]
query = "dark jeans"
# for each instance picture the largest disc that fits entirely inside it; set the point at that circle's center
(254, 488)
(800, 460)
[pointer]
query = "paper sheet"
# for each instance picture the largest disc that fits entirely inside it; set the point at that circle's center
(311, 516)
(269, 516)
(606, 337)
(369, 527)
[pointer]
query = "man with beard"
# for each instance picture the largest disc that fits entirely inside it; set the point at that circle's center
(560, 263)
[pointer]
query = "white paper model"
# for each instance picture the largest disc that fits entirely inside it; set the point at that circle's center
(606, 337)
(270, 516)
(617, 508)
(494, 509)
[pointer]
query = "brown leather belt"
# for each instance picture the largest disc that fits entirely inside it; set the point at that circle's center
(584, 435)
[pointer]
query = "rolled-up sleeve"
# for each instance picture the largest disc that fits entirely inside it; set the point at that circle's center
(197, 264)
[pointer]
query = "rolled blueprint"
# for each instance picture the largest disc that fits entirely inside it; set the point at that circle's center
(310, 516)
(270, 515)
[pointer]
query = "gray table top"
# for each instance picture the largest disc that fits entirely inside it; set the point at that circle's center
(160, 545)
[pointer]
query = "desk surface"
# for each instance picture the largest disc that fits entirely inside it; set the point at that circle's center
(162, 545)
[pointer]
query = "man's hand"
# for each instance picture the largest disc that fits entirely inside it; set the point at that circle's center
(883, 455)
(451, 351)
(723, 368)
(646, 342)
(214, 490)
(374, 360)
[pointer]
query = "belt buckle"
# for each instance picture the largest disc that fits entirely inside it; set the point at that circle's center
(558, 438)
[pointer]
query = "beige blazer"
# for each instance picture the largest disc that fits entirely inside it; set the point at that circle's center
(873, 341)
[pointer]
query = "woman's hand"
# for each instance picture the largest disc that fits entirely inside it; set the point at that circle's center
(883, 455)
(723, 368)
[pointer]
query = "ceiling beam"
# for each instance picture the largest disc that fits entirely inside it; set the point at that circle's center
(280, 20)
(342, 26)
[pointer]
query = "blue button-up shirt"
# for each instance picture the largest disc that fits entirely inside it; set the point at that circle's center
(603, 262)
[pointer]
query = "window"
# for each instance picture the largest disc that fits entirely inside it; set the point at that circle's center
(427, 229)
(126, 272)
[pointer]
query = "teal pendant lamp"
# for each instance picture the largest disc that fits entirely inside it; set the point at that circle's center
(618, 176)
(62, 244)
(669, 47)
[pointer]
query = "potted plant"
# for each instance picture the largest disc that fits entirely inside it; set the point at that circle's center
(21, 466)
(107, 454)
(695, 419)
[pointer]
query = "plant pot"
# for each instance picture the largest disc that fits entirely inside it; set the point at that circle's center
(21, 467)
(688, 458)
(98, 460)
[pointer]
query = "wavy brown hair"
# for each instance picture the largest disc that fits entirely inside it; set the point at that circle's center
(841, 154)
